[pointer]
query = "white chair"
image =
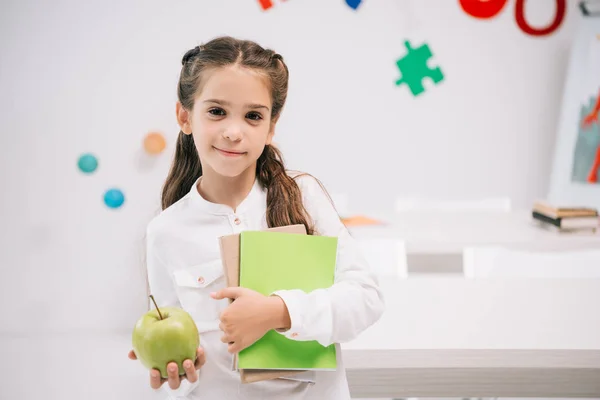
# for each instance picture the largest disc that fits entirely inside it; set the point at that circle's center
(501, 204)
(386, 257)
(488, 262)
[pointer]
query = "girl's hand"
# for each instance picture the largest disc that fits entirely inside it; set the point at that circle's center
(174, 379)
(249, 317)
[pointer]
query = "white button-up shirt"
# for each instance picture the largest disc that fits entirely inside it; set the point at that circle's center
(184, 266)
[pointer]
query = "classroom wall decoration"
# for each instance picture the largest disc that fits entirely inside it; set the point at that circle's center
(154, 143)
(586, 158)
(576, 165)
(265, 4)
(559, 16)
(353, 4)
(413, 68)
(114, 198)
(87, 163)
(487, 9)
(482, 9)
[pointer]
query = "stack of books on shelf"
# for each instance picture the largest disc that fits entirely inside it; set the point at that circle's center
(566, 218)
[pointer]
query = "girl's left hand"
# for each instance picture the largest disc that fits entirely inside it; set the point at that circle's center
(249, 317)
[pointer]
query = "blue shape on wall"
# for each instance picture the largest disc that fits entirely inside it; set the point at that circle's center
(114, 198)
(87, 163)
(353, 4)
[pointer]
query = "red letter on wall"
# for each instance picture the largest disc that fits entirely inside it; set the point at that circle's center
(525, 27)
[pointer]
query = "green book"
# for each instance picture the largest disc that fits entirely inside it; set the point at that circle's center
(271, 261)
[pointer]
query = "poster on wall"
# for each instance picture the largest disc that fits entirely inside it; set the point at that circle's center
(576, 164)
(586, 157)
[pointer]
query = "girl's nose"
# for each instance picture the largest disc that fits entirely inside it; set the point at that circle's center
(233, 132)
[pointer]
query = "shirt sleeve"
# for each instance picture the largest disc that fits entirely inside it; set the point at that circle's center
(353, 303)
(162, 287)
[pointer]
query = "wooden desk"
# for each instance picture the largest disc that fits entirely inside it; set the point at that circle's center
(459, 338)
(438, 337)
(435, 240)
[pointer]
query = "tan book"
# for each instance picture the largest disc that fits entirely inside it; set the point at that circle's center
(555, 211)
(230, 257)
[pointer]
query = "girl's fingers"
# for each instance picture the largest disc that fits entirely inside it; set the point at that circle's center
(200, 358)
(190, 368)
(226, 339)
(155, 381)
(173, 375)
(190, 371)
(233, 348)
(131, 355)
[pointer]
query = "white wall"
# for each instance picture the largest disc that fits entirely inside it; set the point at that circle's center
(96, 76)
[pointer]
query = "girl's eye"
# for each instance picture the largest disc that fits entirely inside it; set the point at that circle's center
(254, 116)
(216, 111)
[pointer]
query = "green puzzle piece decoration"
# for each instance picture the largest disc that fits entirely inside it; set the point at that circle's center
(413, 67)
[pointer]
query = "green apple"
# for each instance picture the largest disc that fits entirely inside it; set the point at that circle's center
(169, 334)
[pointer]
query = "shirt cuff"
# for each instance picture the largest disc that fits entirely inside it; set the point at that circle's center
(293, 300)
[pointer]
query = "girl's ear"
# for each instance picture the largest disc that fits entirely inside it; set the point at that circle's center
(184, 119)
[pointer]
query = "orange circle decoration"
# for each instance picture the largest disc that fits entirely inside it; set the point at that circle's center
(482, 9)
(154, 143)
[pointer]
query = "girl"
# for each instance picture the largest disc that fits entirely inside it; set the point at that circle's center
(228, 177)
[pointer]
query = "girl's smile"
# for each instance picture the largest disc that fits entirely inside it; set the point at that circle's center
(229, 153)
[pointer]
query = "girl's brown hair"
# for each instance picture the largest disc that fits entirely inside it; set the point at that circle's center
(284, 199)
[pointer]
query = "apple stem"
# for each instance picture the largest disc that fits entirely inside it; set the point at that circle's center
(155, 305)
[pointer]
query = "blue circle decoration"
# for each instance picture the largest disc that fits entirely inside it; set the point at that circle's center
(87, 163)
(114, 198)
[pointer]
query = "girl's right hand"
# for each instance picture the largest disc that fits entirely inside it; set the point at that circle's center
(191, 373)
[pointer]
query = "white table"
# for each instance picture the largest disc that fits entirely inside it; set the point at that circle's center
(439, 337)
(434, 241)
(459, 338)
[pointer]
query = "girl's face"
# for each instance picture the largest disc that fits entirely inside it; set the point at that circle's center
(231, 120)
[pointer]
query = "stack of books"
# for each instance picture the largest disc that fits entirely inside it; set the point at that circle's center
(565, 218)
(282, 258)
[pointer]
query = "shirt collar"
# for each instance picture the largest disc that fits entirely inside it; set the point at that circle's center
(255, 197)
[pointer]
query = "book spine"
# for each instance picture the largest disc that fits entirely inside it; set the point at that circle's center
(568, 223)
(547, 219)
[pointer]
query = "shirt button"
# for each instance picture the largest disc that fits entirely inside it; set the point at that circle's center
(237, 221)
(201, 280)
